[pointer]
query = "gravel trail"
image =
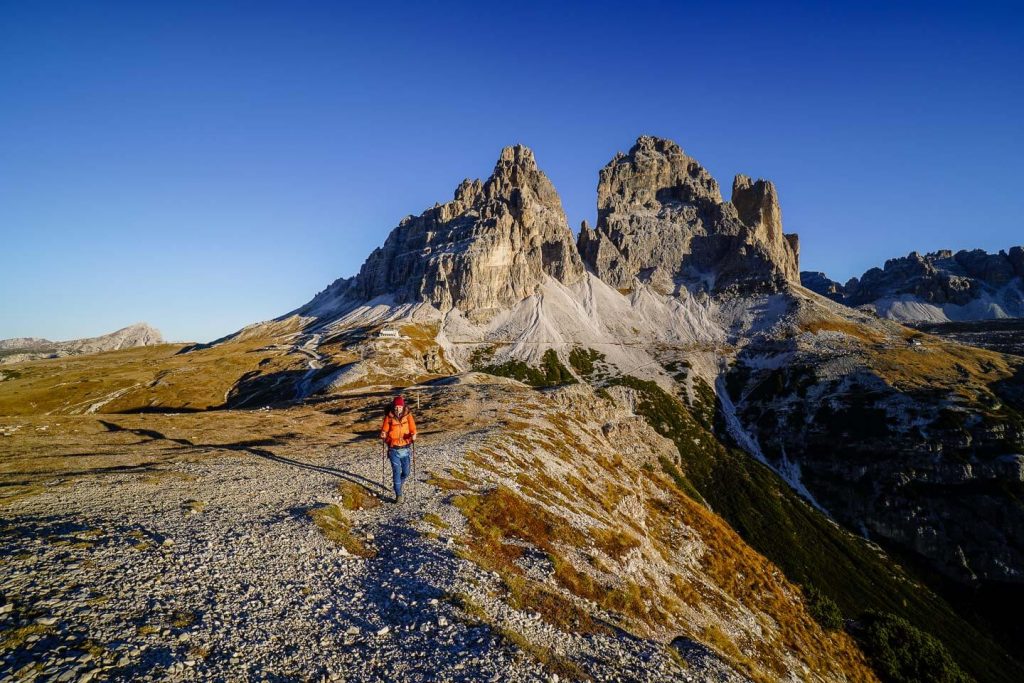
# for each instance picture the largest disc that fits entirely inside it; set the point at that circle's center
(213, 570)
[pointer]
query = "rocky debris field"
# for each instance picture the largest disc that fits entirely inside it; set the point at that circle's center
(214, 568)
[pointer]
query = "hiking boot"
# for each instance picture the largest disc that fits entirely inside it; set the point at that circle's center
(398, 498)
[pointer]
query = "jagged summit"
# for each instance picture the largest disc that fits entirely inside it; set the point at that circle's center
(662, 220)
(757, 203)
(485, 250)
(938, 286)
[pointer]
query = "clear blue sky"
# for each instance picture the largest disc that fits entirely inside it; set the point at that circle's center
(204, 165)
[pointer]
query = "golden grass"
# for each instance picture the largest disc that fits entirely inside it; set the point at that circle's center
(15, 494)
(615, 542)
(335, 527)
(146, 377)
(13, 638)
(749, 579)
(148, 446)
(730, 575)
(356, 497)
(447, 483)
(862, 332)
(497, 517)
(473, 610)
(965, 370)
(182, 619)
(930, 363)
(546, 657)
(435, 520)
(714, 636)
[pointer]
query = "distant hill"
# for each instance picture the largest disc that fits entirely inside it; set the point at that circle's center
(19, 349)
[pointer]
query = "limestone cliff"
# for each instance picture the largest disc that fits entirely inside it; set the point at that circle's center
(661, 219)
(485, 250)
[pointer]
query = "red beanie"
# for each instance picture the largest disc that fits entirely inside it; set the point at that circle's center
(399, 401)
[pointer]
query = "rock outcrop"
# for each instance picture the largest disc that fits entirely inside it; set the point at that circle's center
(661, 219)
(485, 250)
(757, 203)
(816, 281)
(939, 286)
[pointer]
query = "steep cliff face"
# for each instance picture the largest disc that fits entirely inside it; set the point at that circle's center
(485, 250)
(936, 287)
(662, 220)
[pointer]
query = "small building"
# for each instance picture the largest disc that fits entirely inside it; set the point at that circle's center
(388, 333)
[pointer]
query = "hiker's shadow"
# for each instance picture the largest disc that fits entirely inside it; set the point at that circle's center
(251, 448)
(369, 484)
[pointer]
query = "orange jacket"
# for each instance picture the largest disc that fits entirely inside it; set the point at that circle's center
(398, 431)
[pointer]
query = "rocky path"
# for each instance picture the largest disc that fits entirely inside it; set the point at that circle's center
(215, 571)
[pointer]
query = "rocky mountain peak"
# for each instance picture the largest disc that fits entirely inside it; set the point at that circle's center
(29, 348)
(517, 156)
(757, 203)
(485, 250)
(652, 166)
(662, 220)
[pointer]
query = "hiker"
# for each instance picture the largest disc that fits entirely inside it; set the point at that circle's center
(398, 431)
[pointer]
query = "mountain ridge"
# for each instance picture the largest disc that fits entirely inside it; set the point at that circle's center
(939, 286)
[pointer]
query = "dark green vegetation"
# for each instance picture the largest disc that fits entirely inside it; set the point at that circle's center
(589, 364)
(812, 551)
(902, 653)
(823, 608)
(551, 372)
(582, 360)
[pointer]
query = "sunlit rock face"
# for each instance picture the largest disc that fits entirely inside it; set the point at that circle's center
(485, 250)
(661, 219)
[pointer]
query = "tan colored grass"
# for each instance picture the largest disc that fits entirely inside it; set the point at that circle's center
(861, 332)
(356, 497)
(335, 526)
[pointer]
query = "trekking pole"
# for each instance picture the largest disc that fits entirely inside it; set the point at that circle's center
(383, 465)
(414, 487)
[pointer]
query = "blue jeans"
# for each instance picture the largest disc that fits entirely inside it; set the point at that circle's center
(400, 466)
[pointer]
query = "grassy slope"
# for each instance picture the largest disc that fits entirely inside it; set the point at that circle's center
(647, 552)
(249, 369)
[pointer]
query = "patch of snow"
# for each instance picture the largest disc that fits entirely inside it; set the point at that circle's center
(787, 469)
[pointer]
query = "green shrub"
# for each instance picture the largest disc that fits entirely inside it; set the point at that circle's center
(902, 653)
(582, 360)
(551, 372)
(823, 609)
